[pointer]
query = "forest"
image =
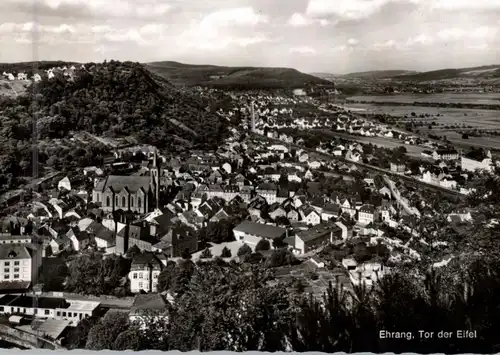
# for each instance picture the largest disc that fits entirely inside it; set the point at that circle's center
(110, 99)
(230, 306)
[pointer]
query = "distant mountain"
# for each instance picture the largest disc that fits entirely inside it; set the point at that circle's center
(235, 77)
(367, 75)
(482, 72)
(378, 74)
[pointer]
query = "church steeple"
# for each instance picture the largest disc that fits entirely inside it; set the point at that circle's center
(155, 178)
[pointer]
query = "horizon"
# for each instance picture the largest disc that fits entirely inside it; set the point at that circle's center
(313, 36)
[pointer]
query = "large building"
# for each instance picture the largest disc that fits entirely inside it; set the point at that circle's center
(316, 237)
(129, 193)
(19, 263)
(48, 307)
(468, 164)
(251, 232)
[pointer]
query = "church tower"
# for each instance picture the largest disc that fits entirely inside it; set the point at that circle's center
(155, 178)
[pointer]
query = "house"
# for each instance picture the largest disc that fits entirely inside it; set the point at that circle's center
(252, 233)
(268, 191)
(316, 237)
(367, 214)
(398, 166)
(144, 304)
(179, 239)
(60, 243)
(64, 184)
(330, 210)
(19, 262)
(309, 215)
(103, 237)
(144, 272)
(79, 239)
(445, 154)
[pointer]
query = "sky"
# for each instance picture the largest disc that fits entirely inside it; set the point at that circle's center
(328, 36)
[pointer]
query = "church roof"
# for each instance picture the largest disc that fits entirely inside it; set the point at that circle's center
(118, 183)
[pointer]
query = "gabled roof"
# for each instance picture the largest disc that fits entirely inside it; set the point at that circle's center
(118, 183)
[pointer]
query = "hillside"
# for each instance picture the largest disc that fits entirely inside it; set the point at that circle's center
(235, 77)
(106, 100)
(378, 74)
(483, 72)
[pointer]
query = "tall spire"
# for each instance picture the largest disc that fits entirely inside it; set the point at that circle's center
(253, 116)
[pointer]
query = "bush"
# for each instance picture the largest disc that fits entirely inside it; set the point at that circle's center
(263, 244)
(225, 253)
(206, 254)
(244, 250)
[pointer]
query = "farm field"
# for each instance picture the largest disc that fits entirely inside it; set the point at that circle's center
(464, 98)
(447, 123)
(481, 119)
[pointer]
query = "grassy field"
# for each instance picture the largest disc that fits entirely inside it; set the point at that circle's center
(481, 119)
(465, 98)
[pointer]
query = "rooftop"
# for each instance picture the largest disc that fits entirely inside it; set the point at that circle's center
(259, 229)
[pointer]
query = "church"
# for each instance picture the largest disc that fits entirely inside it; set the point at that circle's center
(138, 194)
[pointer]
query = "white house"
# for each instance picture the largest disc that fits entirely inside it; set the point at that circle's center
(144, 272)
(19, 263)
(309, 215)
(64, 184)
(366, 214)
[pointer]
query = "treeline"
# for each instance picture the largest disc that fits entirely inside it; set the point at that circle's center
(229, 306)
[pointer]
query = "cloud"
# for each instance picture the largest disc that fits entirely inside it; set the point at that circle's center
(245, 16)
(349, 9)
(298, 20)
(12, 28)
(460, 5)
(421, 39)
(301, 20)
(352, 42)
(456, 34)
(143, 9)
(384, 45)
(221, 29)
(303, 50)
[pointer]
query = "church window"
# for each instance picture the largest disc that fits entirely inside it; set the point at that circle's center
(108, 201)
(124, 201)
(98, 197)
(139, 202)
(116, 200)
(132, 201)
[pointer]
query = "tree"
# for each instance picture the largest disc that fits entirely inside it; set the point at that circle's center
(281, 257)
(103, 335)
(244, 250)
(186, 254)
(225, 253)
(130, 339)
(465, 136)
(206, 254)
(263, 244)
(133, 252)
(77, 336)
